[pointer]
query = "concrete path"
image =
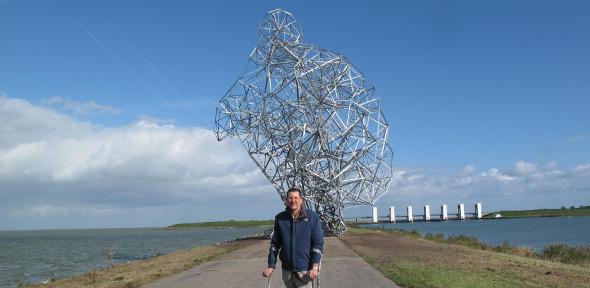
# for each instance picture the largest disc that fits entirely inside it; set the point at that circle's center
(341, 267)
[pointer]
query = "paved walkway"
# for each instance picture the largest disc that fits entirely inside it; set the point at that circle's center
(341, 267)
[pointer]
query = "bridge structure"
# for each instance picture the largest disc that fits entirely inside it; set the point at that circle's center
(410, 216)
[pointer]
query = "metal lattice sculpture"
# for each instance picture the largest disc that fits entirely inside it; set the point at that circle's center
(308, 118)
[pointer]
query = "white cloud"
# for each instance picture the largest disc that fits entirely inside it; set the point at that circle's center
(582, 168)
(86, 153)
(494, 174)
(59, 172)
(45, 210)
(82, 108)
(551, 165)
(50, 164)
(522, 167)
(467, 170)
(526, 186)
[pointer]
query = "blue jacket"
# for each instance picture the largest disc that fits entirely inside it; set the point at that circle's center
(300, 241)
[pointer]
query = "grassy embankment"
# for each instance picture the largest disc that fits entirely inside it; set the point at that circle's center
(554, 252)
(411, 261)
(572, 211)
(137, 273)
(224, 224)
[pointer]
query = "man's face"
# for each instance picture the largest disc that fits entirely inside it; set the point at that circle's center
(294, 200)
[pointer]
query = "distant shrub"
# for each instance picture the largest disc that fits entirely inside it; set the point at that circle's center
(467, 241)
(132, 284)
(403, 232)
(435, 237)
(507, 248)
(567, 254)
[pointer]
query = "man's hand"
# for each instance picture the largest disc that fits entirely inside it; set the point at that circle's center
(267, 272)
(313, 273)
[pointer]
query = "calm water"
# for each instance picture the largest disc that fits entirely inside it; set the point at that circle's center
(531, 232)
(38, 255)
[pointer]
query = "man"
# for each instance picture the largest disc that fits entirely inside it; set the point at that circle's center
(298, 236)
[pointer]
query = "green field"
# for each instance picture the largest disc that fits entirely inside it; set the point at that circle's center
(224, 224)
(580, 211)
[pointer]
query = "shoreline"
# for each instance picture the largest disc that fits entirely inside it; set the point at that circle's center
(535, 234)
(386, 260)
(411, 261)
(562, 212)
(132, 273)
(555, 252)
(223, 224)
(140, 272)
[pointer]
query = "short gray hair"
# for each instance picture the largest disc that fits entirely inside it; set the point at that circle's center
(295, 189)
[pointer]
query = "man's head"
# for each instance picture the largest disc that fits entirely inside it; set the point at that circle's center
(294, 199)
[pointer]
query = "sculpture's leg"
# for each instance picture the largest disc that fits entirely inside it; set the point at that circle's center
(332, 217)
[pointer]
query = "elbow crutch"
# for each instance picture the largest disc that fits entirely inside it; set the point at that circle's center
(319, 273)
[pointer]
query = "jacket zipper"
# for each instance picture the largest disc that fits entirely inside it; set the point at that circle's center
(293, 243)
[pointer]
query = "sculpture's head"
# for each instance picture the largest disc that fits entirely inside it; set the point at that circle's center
(280, 25)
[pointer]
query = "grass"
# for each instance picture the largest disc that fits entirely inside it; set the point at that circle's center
(414, 275)
(412, 261)
(224, 224)
(572, 211)
(137, 273)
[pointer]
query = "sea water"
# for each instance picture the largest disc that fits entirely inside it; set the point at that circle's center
(535, 233)
(39, 255)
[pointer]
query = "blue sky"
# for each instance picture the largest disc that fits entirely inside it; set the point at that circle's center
(106, 105)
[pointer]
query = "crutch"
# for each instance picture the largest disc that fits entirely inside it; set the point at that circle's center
(319, 273)
(270, 276)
